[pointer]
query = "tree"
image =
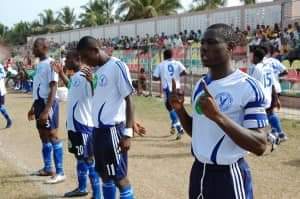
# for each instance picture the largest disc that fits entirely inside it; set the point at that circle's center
(3, 31)
(66, 17)
(97, 12)
(18, 33)
(207, 5)
(47, 18)
(137, 9)
(246, 2)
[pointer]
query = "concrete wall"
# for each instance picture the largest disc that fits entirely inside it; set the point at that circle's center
(241, 16)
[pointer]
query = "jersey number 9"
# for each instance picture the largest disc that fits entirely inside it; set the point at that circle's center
(171, 69)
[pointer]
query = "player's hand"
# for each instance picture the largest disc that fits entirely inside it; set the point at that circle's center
(43, 118)
(57, 67)
(125, 144)
(88, 73)
(30, 114)
(138, 129)
(208, 105)
(176, 99)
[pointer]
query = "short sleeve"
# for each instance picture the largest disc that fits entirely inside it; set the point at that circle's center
(278, 66)
(124, 81)
(254, 106)
(181, 67)
(157, 72)
(52, 75)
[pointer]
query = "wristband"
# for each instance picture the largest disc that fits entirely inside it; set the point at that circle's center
(128, 132)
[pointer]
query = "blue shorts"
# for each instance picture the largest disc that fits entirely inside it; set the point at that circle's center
(221, 181)
(80, 144)
(2, 100)
(111, 163)
(52, 122)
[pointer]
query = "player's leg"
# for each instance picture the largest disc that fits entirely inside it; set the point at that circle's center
(175, 122)
(75, 144)
(101, 139)
(119, 169)
(46, 144)
(57, 144)
(4, 112)
(46, 154)
(275, 123)
(90, 162)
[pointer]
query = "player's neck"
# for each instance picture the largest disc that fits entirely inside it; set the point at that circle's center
(43, 57)
(103, 60)
(221, 72)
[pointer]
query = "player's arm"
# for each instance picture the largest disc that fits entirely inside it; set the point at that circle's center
(30, 114)
(156, 73)
(53, 80)
(58, 68)
(253, 140)
(177, 101)
(182, 69)
(88, 74)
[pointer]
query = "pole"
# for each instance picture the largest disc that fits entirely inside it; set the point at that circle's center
(150, 69)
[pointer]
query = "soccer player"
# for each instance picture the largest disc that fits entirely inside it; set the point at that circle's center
(263, 72)
(80, 124)
(166, 71)
(227, 121)
(112, 113)
(45, 110)
(2, 97)
(279, 70)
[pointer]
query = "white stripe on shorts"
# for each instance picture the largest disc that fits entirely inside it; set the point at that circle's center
(237, 182)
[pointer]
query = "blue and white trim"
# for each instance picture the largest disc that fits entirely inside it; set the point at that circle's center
(238, 182)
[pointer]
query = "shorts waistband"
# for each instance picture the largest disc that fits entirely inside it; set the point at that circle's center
(107, 126)
(216, 167)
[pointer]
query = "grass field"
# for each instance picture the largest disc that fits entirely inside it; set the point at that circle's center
(159, 166)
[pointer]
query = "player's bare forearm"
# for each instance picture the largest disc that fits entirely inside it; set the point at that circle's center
(186, 120)
(129, 112)
(254, 140)
(51, 96)
(64, 78)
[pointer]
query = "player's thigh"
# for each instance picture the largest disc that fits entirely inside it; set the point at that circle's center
(76, 144)
(110, 162)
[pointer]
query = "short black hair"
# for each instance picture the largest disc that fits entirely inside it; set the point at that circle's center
(87, 42)
(42, 40)
(259, 52)
(228, 34)
(168, 54)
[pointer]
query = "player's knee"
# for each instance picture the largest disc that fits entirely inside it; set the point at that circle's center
(123, 183)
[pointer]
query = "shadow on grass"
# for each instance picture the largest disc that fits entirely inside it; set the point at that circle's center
(160, 156)
(294, 163)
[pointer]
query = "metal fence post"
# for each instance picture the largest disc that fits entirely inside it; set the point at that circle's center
(150, 68)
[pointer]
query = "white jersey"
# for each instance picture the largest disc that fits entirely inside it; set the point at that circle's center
(79, 118)
(263, 72)
(114, 84)
(278, 68)
(2, 80)
(168, 70)
(43, 76)
(241, 98)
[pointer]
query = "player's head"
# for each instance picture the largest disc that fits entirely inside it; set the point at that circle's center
(217, 45)
(258, 55)
(72, 61)
(89, 51)
(40, 47)
(168, 54)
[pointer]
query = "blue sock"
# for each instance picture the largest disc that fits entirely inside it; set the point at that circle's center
(126, 193)
(58, 156)
(173, 117)
(95, 180)
(109, 190)
(275, 123)
(4, 113)
(46, 152)
(82, 171)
